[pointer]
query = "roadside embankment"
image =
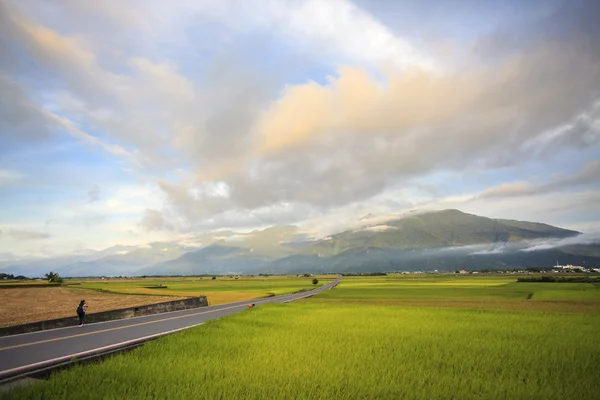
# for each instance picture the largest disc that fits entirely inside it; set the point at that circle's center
(129, 312)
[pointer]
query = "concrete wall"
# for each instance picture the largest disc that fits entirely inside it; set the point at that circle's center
(192, 302)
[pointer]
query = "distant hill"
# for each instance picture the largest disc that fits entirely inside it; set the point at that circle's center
(237, 253)
(113, 261)
(442, 240)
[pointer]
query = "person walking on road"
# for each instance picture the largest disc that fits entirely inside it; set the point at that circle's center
(81, 311)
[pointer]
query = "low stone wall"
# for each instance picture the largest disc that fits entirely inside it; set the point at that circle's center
(192, 302)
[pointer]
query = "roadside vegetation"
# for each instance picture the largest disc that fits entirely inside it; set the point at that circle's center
(367, 338)
(53, 277)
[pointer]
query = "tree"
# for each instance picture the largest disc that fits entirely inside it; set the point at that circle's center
(315, 281)
(214, 277)
(53, 277)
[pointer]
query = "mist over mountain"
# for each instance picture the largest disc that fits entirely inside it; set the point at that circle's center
(113, 261)
(238, 253)
(438, 240)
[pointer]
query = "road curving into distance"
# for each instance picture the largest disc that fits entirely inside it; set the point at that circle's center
(27, 353)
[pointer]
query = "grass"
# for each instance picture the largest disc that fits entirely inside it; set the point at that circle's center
(345, 344)
(218, 291)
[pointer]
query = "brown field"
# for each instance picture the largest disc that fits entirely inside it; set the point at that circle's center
(564, 306)
(21, 306)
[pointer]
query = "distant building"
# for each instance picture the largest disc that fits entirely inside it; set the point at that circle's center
(568, 267)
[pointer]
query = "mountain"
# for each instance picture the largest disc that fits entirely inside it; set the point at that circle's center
(127, 260)
(113, 261)
(237, 253)
(435, 229)
(442, 240)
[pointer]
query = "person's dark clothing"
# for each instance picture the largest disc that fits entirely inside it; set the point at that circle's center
(81, 312)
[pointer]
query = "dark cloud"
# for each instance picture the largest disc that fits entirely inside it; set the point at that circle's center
(568, 23)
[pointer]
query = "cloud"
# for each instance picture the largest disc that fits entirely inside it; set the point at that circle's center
(379, 228)
(591, 238)
(8, 177)
(88, 220)
(20, 119)
(249, 113)
(498, 248)
(153, 221)
(583, 239)
(589, 173)
(61, 57)
(341, 28)
(94, 194)
(68, 66)
(583, 130)
(22, 234)
(328, 145)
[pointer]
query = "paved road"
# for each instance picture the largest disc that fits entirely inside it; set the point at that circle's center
(30, 351)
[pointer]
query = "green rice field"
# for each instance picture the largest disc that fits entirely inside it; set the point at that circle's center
(218, 291)
(395, 337)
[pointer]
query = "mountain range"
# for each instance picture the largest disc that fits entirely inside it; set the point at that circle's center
(439, 240)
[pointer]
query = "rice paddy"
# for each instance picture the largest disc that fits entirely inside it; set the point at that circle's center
(218, 291)
(39, 302)
(369, 338)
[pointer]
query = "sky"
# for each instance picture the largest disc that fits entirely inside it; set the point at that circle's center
(129, 122)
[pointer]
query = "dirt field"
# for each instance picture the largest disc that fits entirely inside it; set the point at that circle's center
(20, 306)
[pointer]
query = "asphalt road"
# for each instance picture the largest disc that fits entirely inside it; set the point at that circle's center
(31, 351)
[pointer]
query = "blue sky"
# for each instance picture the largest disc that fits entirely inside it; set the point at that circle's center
(131, 122)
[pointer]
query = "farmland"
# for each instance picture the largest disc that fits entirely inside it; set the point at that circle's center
(30, 304)
(391, 337)
(218, 291)
(37, 302)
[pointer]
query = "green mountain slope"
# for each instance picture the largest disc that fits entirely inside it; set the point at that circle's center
(448, 239)
(437, 229)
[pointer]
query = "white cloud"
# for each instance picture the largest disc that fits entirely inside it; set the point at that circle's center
(8, 177)
(341, 28)
(379, 228)
(22, 234)
(153, 220)
(583, 239)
